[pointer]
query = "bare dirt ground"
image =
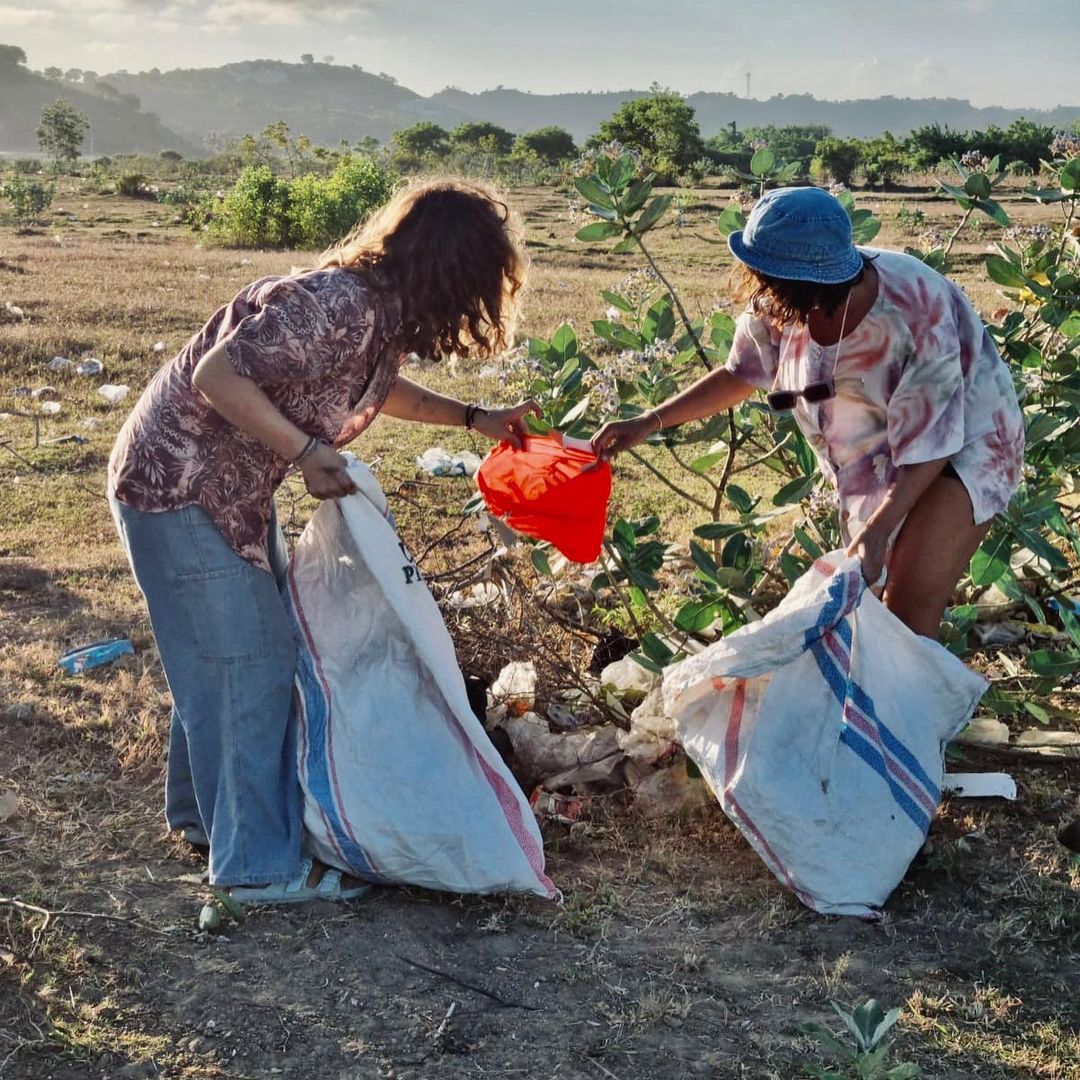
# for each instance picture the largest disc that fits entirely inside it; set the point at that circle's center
(674, 954)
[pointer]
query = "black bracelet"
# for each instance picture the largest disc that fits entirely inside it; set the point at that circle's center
(470, 414)
(309, 449)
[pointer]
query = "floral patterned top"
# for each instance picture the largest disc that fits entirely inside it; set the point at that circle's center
(320, 344)
(918, 379)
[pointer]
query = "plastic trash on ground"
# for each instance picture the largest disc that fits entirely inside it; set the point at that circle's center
(113, 394)
(85, 657)
(439, 462)
(560, 760)
(544, 491)
(515, 687)
(60, 363)
(50, 408)
(90, 366)
(821, 730)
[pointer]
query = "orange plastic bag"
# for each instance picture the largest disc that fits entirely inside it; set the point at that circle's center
(542, 491)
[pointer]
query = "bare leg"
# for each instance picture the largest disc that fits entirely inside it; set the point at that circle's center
(933, 549)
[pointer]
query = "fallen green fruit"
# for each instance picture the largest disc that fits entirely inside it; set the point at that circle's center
(210, 918)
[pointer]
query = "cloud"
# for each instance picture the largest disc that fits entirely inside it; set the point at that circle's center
(19, 17)
(928, 72)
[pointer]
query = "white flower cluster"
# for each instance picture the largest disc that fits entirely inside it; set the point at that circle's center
(975, 161)
(1065, 146)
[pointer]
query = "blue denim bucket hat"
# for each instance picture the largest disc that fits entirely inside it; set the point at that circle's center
(799, 234)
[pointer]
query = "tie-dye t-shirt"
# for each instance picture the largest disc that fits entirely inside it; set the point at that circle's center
(918, 379)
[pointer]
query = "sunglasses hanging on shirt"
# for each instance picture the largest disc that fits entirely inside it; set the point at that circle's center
(815, 392)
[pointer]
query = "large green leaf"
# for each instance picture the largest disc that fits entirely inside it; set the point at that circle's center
(564, 341)
(993, 210)
(593, 191)
(864, 226)
(635, 198)
(695, 615)
(1004, 273)
(652, 214)
(617, 301)
(991, 561)
(1070, 175)
(599, 230)
(761, 164)
(795, 491)
(731, 219)
(978, 185)
(1053, 664)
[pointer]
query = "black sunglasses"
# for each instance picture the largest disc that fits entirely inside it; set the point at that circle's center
(785, 400)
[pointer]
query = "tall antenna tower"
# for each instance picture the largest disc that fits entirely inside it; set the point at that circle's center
(748, 85)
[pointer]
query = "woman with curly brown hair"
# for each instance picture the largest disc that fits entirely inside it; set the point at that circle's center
(291, 369)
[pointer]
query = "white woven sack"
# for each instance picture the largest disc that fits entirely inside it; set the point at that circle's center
(401, 783)
(821, 730)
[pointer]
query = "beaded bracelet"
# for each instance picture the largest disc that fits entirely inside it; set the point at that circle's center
(309, 449)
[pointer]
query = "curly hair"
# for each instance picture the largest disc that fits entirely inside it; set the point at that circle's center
(784, 301)
(451, 251)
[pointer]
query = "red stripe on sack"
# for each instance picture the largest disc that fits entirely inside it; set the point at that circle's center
(731, 736)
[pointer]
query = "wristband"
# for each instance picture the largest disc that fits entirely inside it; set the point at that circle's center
(659, 420)
(309, 449)
(470, 414)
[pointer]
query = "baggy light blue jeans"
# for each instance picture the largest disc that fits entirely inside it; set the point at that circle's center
(227, 648)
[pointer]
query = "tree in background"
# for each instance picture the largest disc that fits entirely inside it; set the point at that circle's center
(11, 56)
(481, 135)
(792, 142)
(423, 138)
(551, 144)
(884, 159)
(838, 157)
(661, 128)
(61, 132)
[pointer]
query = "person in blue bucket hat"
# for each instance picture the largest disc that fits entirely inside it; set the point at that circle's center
(891, 376)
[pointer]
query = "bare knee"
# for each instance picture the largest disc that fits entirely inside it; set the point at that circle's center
(919, 610)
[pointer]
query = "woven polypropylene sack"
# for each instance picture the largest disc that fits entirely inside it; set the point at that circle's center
(401, 782)
(821, 730)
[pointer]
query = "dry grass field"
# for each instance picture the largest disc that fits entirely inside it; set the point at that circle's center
(675, 954)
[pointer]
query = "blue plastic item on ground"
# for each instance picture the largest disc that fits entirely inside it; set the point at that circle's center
(85, 657)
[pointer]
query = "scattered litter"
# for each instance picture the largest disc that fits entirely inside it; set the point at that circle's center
(1053, 741)
(50, 408)
(14, 311)
(629, 680)
(21, 391)
(560, 760)
(1008, 632)
(665, 792)
(980, 785)
(159, 346)
(515, 687)
(9, 806)
(554, 806)
(210, 918)
(479, 595)
(81, 659)
(90, 366)
(78, 440)
(438, 462)
(651, 737)
(45, 393)
(60, 363)
(113, 394)
(985, 731)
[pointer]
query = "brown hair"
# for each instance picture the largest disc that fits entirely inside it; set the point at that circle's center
(450, 250)
(783, 300)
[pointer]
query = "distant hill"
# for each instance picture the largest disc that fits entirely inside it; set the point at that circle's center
(195, 109)
(581, 114)
(325, 102)
(117, 124)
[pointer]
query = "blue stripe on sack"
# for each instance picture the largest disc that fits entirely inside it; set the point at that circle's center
(895, 747)
(864, 749)
(842, 686)
(317, 766)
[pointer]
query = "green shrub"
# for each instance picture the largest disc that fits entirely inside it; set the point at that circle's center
(26, 199)
(309, 211)
(131, 185)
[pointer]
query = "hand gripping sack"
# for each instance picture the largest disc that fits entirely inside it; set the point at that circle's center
(821, 730)
(544, 491)
(401, 783)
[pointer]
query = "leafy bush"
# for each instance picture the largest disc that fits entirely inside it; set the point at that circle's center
(26, 199)
(745, 549)
(309, 211)
(661, 128)
(131, 185)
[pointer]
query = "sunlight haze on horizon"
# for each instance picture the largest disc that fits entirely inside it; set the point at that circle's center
(991, 52)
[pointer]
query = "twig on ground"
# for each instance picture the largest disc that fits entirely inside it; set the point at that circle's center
(445, 1020)
(497, 998)
(67, 913)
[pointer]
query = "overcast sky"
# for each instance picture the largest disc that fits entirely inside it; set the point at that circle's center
(1018, 53)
